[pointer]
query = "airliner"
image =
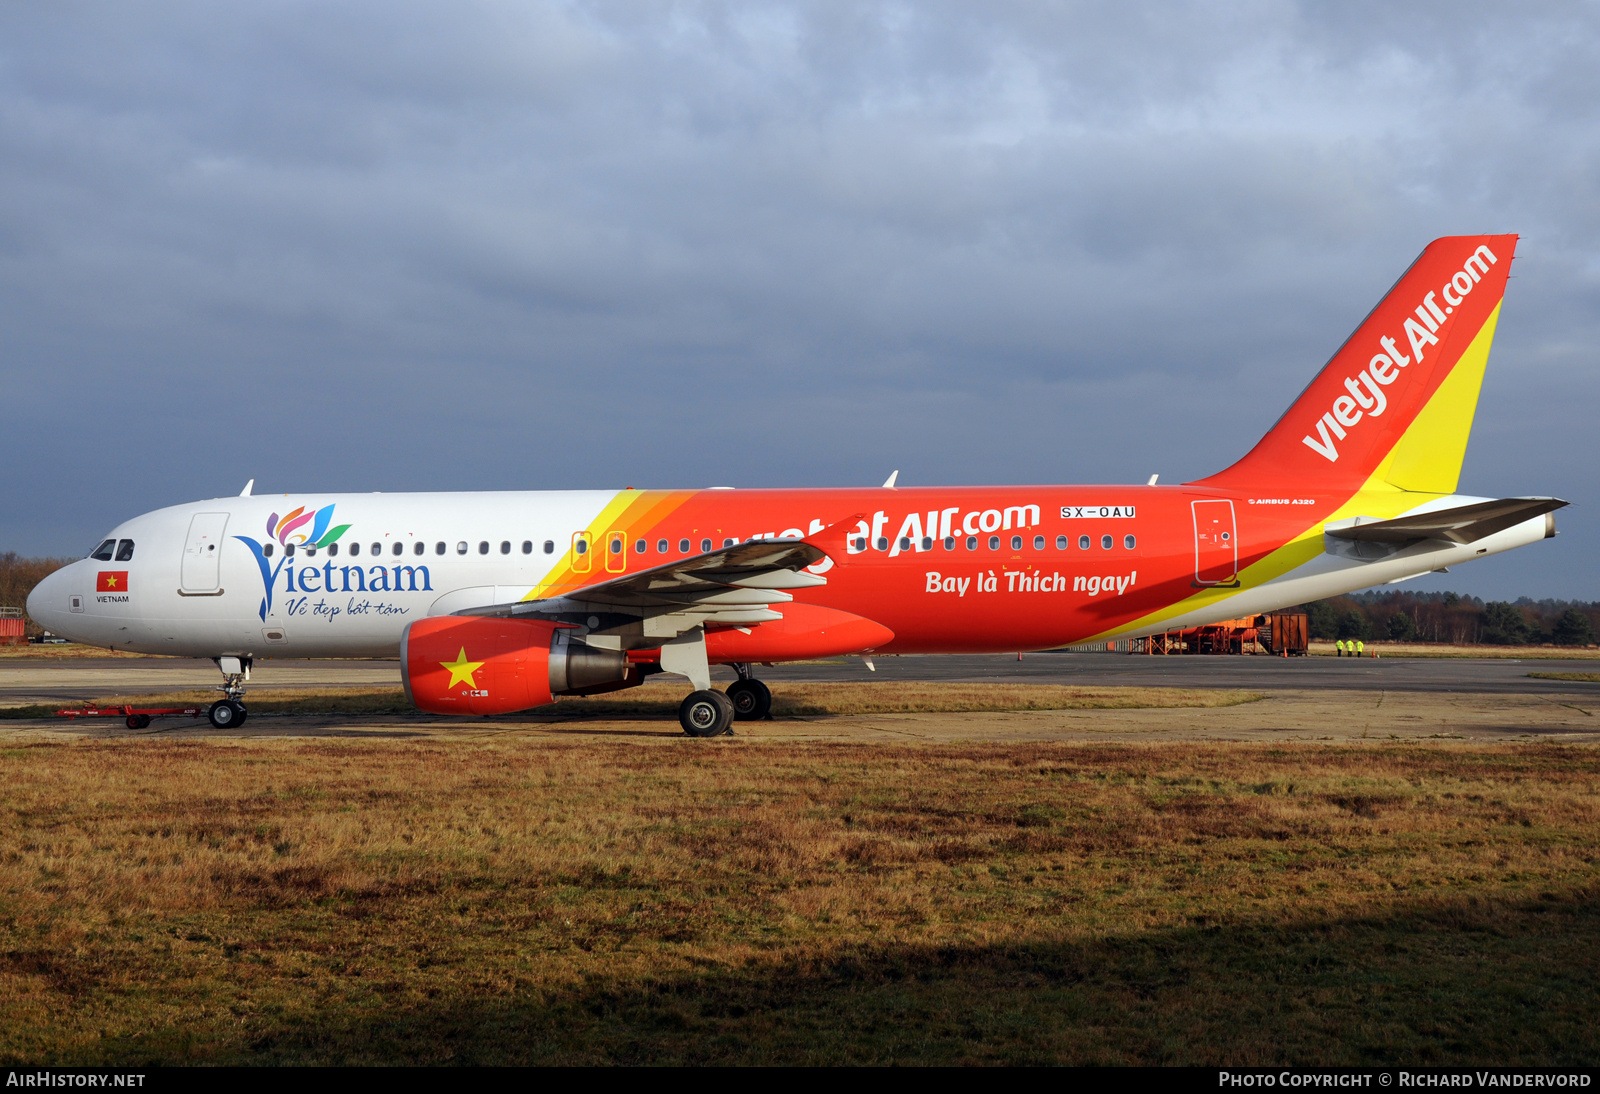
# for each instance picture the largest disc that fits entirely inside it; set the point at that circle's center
(498, 602)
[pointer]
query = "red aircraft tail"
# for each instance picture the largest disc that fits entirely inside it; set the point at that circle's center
(1398, 397)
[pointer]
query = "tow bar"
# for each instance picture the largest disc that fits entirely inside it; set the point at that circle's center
(133, 717)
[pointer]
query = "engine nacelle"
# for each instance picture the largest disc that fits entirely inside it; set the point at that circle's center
(478, 665)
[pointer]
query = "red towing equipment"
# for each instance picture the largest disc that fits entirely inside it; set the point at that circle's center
(134, 717)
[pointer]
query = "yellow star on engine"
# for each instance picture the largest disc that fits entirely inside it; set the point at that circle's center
(462, 670)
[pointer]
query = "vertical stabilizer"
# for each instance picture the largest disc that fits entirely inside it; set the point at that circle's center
(1397, 399)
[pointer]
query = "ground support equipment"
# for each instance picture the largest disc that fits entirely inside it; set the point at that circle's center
(133, 717)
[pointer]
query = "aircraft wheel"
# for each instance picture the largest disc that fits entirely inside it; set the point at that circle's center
(752, 700)
(243, 714)
(225, 714)
(706, 714)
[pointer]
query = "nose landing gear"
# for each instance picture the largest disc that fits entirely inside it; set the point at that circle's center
(227, 713)
(230, 712)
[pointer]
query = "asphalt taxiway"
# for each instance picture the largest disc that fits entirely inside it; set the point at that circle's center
(35, 681)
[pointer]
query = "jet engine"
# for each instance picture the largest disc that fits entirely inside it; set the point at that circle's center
(475, 665)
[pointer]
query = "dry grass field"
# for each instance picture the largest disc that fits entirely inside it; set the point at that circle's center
(589, 899)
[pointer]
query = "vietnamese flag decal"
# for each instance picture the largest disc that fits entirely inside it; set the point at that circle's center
(112, 581)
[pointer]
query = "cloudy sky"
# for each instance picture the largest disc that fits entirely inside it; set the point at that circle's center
(380, 246)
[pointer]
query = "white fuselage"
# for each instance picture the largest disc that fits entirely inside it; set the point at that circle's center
(322, 604)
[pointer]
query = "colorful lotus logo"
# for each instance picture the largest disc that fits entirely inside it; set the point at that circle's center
(287, 530)
(290, 531)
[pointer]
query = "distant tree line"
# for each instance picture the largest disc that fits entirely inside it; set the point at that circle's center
(1449, 617)
(19, 575)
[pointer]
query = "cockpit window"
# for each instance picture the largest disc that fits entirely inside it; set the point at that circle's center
(103, 552)
(125, 551)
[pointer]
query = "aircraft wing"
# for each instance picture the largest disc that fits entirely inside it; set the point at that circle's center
(734, 585)
(1461, 524)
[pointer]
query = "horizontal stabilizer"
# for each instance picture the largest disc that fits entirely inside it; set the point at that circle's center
(1461, 524)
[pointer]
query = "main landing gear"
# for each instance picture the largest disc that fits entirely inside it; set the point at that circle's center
(230, 712)
(706, 714)
(709, 713)
(752, 700)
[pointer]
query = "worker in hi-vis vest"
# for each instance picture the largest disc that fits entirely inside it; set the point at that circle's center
(1361, 648)
(1339, 648)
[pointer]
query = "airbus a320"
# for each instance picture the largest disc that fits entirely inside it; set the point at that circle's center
(498, 602)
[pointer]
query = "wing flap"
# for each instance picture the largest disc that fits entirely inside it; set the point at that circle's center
(735, 585)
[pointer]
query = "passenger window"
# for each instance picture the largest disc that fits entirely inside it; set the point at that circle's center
(1083, 543)
(438, 548)
(1016, 543)
(662, 546)
(549, 546)
(483, 546)
(399, 549)
(683, 546)
(103, 552)
(527, 546)
(505, 546)
(582, 546)
(1061, 543)
(333, 550)
(972, 543)
(949, 543)
(377, 549)
(860, 542)
(905, 543)
(288, 549)
(1105, 543)
(125, 551)
(420, 549)
(311, 552)
(994, 543)
(927, 543)
(1128, 542)
(1038, 543)
(461, 548)
(705, 545)
(641, 547)
(355, 549)
(266, 549)
(729, 542)
(616, 546)
(883, 543)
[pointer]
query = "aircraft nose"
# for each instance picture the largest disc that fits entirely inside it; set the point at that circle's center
(47, 601)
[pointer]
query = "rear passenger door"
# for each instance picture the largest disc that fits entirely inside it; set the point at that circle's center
(1216, 546)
